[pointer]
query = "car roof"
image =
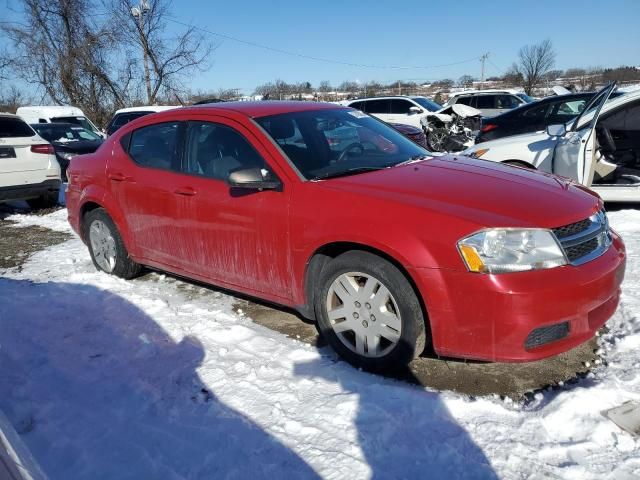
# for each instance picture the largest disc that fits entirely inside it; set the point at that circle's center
(146, 108)
(10, 115)
(386, 97)
(51, 109)
(263, 108)
(489, 90)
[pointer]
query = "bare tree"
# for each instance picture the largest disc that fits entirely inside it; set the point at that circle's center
(465, 81)
(167, 61)
(69, 56)
(324, 90)
(12, 98)
(534, 61)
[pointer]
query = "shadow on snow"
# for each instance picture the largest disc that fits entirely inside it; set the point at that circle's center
(121, 398)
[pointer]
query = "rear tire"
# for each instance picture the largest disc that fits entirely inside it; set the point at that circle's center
(369, 312)
(48, 200)
(106, 247)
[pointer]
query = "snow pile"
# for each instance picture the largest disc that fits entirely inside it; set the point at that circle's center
(158, 378)
(54, 221)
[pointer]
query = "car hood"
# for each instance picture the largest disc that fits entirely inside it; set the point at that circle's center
(478, 191)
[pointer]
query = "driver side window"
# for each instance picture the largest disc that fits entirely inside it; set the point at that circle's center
(213, 150)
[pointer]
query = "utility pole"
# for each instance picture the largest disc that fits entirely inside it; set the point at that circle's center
(483, 59)
(138, 13)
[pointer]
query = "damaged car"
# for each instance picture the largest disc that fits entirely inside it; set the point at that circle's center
(599, 149)
(451, 129)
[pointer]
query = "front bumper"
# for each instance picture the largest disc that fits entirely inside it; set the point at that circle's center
(491, 317)
(32, 190)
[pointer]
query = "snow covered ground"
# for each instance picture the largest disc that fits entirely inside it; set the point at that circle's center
(158, 378)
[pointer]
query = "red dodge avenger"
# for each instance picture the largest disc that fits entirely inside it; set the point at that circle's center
(389, 249)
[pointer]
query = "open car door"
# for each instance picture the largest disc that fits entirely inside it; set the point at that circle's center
(573, 156)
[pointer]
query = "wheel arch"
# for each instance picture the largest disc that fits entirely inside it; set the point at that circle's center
(95, 198)
(519, 163)
(325, 253)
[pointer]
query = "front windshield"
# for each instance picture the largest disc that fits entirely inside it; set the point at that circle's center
(331, 143)
(426, 103)
(53, 132)
(81, 121)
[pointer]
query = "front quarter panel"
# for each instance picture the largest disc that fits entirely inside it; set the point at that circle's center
(413, 236)
(536, 149)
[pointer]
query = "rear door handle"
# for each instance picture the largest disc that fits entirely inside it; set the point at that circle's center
(119, 177)
(186, 191)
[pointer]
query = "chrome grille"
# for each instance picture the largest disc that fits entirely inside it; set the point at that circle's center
(585, 240)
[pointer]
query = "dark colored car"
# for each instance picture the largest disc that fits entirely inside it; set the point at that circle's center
(68, 140)
(126, 115)
(389, 249)
(536, 116)
(412, 133)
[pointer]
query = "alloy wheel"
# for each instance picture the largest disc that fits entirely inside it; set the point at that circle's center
(103, 245)
(363, 314)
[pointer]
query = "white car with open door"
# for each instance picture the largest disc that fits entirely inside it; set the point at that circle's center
(28, 166)
(599, 149)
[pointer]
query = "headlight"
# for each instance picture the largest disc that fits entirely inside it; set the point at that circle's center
(503, 250)
(478, 153)
(67, 155)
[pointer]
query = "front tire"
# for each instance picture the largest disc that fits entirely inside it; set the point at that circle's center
(106, 247)
(369, 313)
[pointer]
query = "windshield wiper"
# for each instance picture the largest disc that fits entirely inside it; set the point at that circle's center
(347, 172)
(414, 158)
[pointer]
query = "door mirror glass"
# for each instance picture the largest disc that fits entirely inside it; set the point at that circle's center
(415, 110)
(253, 178)
(556, 130)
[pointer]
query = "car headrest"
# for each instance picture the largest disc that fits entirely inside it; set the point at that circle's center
(281, 128)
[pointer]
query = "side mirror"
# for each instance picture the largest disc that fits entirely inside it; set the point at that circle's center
(556, 130)
(415, 109)
(253, 178)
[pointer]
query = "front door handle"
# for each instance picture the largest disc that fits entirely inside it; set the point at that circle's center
(186, 191)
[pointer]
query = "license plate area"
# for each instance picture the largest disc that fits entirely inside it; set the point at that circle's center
(7, 152)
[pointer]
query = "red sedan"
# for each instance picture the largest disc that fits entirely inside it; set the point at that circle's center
(389, 249)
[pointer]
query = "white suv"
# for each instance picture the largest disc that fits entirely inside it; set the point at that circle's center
(28, 166)
(489, 102)
(400, 109)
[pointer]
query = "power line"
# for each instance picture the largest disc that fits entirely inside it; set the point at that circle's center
(319, 59)
(500, 70)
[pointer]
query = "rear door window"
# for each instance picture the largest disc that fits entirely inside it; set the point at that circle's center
(359, 106)
(157, 146)
(537, 113)
(399, 106)
(378, 106)
(470, 101)
(486, 101)
(12, 127)
(506, 102)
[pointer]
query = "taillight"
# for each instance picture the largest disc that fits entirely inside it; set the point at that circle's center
(44, 148)
(488, 127)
